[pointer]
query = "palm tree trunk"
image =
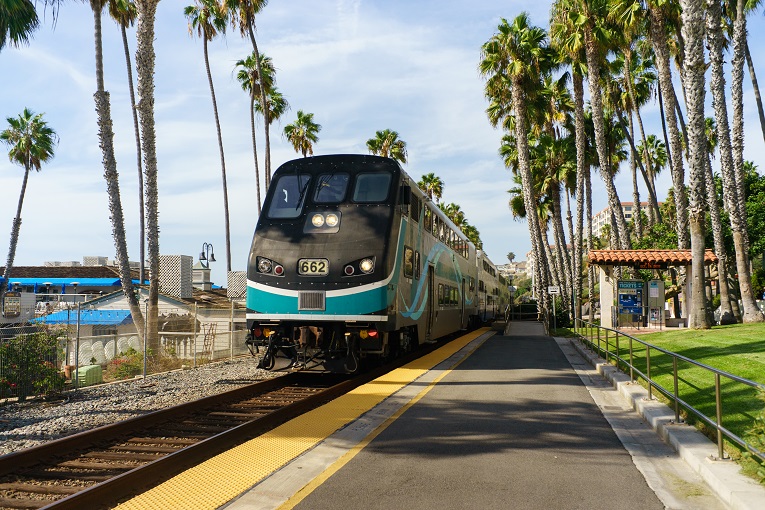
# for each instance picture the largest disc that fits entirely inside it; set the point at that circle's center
(570, 253)
(637, 220)
(651, 189)
(581, 168)
(735, 173)
(15, 229)
(693, 33)
(145, 58)
(142, 221)
(726, 312)
(263, 99)
(255, 149)
(561, 249)
(716, 41)
(590, 245)
(755, 87)
(659, 42)
(663, 115)
(529, 197)
(111, 176)
(596, 101)
(227, 223)
(646, 177)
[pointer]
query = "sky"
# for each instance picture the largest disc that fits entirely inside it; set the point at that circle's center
(359, 66)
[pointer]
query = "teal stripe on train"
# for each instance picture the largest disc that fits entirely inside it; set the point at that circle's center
(369, 301)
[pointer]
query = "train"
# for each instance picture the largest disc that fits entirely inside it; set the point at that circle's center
(351, 263)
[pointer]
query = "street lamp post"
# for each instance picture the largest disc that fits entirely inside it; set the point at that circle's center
(207, 255)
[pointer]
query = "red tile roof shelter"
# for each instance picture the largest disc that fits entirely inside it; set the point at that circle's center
(647, 259)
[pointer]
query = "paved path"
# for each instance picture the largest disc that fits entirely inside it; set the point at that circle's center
(516, 425)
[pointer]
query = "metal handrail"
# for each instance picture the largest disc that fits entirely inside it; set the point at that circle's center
(672, 395)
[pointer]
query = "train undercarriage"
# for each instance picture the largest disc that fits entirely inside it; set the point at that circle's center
(326, 346)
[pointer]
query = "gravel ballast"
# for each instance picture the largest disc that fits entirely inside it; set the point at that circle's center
(34, 422)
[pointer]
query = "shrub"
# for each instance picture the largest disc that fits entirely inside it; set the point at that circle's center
(28, 366)
(126, 366)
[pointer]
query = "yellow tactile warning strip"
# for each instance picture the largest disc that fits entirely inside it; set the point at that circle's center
(345, 459)
(220, 479)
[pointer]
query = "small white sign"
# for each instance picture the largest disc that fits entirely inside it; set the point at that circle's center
(553, 289)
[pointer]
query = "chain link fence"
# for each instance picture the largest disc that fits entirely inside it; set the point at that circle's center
(40, 358)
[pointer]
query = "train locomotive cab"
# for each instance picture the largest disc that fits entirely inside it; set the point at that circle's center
(322, 264)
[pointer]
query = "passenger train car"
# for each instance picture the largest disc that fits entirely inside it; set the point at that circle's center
(350, 260)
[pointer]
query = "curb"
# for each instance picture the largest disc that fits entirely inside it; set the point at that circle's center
(723, 476)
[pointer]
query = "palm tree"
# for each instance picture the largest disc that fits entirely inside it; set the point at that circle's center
(513, 61)
(124, 12)
(726, 310)
(145, 57)
(694, 65)
(277, 105)
(208, 19)
(243, 17)
(654, 157)
(18, 19)
(303, 133)
(106, 142)
(387, 144)
(732, 187)
(31, 143)
(658, 14)
(249, 79)
(473, 235)
(432, 186)
(567, 40)
(454, 212)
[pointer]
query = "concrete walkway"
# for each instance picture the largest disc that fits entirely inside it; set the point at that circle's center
(519, 420)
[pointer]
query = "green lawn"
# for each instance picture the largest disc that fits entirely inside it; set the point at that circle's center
(737, 349)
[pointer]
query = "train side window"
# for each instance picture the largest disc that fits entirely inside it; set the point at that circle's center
(372, 188)
(417, 265)
(288, 197)
(415, 209)
(454, 295)
(408, 262)
(331, 188)
(428, 219)
(440, 293)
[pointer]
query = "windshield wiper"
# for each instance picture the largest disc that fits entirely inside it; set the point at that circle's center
(302, 193)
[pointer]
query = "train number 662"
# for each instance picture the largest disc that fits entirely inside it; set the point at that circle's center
(313, 267)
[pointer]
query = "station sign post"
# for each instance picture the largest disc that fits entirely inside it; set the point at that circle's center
(553, 290)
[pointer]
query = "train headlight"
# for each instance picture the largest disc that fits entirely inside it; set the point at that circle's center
(265, 265)
(367, 265)
(322, 222)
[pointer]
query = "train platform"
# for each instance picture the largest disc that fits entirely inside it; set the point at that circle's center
(512, 420)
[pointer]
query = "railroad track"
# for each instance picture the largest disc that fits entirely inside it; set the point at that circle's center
(98, 468)
(101, 467)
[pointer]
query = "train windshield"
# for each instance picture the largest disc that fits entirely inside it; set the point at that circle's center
(331, 188)
(372, 187)
(289, 195)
